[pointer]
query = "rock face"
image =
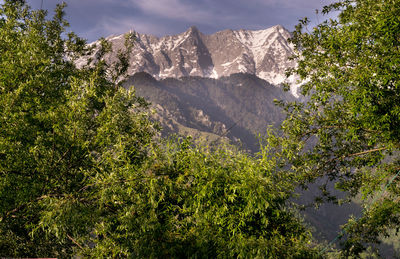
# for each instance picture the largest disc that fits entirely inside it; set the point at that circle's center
(263, 53)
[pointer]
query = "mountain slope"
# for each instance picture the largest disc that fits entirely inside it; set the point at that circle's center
(238, 106)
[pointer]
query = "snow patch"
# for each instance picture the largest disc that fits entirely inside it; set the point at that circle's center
(242, 68)
(277, 79)
(272, 77)
(211, 73)
(166, 72)
(226, 64)
(115, 37)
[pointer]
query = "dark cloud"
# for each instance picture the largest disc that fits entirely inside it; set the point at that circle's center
(95, 18)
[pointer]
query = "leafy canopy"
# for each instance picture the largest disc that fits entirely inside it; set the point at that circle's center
(348, 128)
(60, 128)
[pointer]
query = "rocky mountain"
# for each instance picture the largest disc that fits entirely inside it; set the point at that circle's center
(235, 107)
(263, 53)
(211, 85)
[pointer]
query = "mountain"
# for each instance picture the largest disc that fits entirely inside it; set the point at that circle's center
(210, 86)
(263, 53)
(235, 107)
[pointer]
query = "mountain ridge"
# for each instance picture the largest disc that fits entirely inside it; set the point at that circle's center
(264, 53)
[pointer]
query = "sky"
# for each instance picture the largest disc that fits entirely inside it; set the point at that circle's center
(92, 19)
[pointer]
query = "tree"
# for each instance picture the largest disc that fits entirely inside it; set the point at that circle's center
(83, 173)
(198, 202)
(348, 129)
(60, 128)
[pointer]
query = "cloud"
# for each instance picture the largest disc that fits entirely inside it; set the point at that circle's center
(117, 25)
(95, 18)
(166, 17)
(293, 4)
(193, 12)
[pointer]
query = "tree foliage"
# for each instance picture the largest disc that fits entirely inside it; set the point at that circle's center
(82, 172)
(60, 128)
(349, 126)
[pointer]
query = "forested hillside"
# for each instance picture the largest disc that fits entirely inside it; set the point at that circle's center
(239, 107)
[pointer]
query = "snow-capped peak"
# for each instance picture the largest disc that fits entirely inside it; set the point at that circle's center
(263, 53)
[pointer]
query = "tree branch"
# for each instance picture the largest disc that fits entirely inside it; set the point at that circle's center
(365, 152)
(74, 241)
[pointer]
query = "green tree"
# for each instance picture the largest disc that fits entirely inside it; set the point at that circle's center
(82, 172)
(348, 129)
(60, 128)
(199, 202)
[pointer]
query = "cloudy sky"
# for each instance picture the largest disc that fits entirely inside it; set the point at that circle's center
(92, 19)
